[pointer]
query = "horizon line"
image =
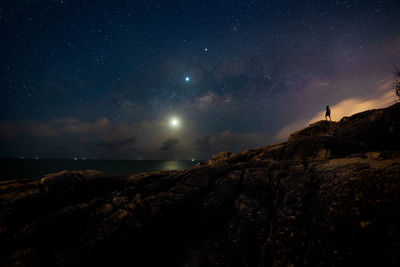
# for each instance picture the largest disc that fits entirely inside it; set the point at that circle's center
(87, 159)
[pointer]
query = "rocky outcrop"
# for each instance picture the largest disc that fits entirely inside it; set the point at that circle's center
(367, 131)
(329, 196)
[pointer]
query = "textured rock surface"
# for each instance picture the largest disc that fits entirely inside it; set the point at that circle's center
(328, 196)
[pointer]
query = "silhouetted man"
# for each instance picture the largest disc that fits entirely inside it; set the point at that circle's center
(328, 113)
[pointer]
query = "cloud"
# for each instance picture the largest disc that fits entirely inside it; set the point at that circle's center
(203, 143)
(75, 135)
(34, 128)
(289, 129)
(352, 106)
(8, 130)
(346, 107)
(102, 134)
(169, 144)
(114, 144)
(229, 141)
(41, 129)
(108, 133)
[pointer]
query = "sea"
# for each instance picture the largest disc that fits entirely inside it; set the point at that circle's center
(37, 168)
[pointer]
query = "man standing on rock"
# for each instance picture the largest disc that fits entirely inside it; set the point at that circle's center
(328, 113)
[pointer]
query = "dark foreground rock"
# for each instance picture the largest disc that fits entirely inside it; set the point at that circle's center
(330, 196)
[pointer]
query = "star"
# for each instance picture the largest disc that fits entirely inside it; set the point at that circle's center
(206, 49)
(187, 78)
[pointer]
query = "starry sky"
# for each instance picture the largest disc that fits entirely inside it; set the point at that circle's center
(185, 79)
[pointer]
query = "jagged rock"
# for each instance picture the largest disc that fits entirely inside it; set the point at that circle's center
(362, 132)
(320, 128)
(342, 212)
(221, 156)
(329, 196)
(368, 131)
(65, 179)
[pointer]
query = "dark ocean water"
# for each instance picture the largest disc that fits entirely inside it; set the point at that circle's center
(31, 168)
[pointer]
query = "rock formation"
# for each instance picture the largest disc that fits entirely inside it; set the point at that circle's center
(329, 196)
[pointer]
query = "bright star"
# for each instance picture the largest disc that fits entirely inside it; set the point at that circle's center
(187, 78)
(206, 49)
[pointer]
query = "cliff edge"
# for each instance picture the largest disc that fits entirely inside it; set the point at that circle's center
(329, 196)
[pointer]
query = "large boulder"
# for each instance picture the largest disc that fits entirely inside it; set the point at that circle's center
(67, 180)
(368, 131)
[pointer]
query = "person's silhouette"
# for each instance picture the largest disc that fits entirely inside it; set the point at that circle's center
(328, 113)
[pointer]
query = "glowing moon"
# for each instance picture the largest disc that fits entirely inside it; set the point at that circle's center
(174, 122)
(187, 78)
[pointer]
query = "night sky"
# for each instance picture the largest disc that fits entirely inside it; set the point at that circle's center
(185, 79)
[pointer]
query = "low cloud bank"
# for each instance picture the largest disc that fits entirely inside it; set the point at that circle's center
(228, 141)
(346, 107)
(70, 137)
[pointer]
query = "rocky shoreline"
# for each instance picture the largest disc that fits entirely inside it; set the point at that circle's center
(329, 196)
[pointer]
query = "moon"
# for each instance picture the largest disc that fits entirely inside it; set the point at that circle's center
(187, 78)
(174, 122)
